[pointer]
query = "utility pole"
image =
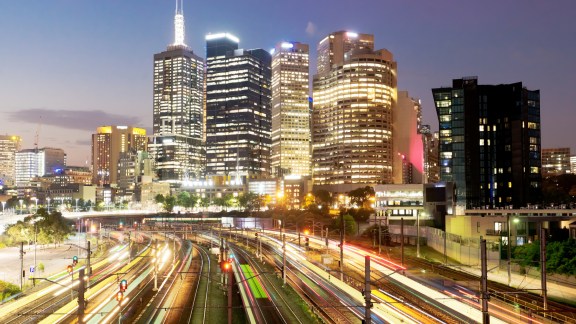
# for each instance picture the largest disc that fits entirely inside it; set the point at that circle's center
(260, 247)
(418, 234)
(326, 236)
(341, 246)
(21, 263)
(283, 259)
(484, 282)
(155, 266)
(298, 230)
(543, 266)
(508, 248)
(402, 238)
(380, 236)
(230, 279)
(367, 291)
(81, 301)
(374, 233)
(88, 252)
(35, 243)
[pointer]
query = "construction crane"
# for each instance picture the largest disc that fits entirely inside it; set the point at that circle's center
(37, 136)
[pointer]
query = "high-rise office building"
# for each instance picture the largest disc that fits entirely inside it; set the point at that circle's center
(290, 110)
(332, 49)
(573, 164)
(33, 163)
(352, 114)
(490, 143)
(407, 141)
(177, 143)
(9, 145)
(108, 146)
(555, 161)
(238, 112)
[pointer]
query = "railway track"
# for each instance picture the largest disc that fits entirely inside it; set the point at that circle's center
(528, 302)
(326, 305)
(200, 300)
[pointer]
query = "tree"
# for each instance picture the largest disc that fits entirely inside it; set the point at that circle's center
(205, 202)
(169, 203)
(323, 197)
(49, 228)
(159, 199)
(360, 196)
(249, 201)
(350, 226)
(219, 201)
(184, 199)
(194, 200)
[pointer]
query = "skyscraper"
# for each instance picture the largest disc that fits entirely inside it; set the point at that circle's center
(490, 142)
(32, 163)
(555, 161)
(109, 144)
(290, 110)
(177, 142)
(333, 48)
(238, 113)
(352, 114)
(9, 145)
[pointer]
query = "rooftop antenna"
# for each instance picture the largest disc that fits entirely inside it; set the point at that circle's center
(179, 24)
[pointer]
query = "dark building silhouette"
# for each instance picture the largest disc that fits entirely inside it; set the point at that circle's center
(238, 109)
(490, 143)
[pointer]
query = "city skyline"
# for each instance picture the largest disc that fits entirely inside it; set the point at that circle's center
(71, 68)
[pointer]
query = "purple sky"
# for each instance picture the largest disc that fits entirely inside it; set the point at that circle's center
(70, 66)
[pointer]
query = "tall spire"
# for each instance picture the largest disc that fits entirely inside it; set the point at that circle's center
(179, 24)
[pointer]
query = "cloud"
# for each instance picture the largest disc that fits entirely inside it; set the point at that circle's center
(310, 29)
(83, 142)
(71, 119)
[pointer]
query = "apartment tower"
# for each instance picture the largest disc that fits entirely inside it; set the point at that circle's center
(489, 143)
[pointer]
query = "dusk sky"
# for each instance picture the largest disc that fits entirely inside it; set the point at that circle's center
(68, 66)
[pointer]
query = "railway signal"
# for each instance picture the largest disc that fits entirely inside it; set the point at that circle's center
(74, 261)
(70, 269)
(225, 266)
(123, 285)
(119, 296)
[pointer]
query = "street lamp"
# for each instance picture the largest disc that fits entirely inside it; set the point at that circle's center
(76, 204)
(21, 201)
(3, 206)
(509, 246)
(48, 200)
(36, 201)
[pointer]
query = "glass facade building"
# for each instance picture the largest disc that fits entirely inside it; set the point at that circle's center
(238, 109)
(177, 146)
(33, 163)
(489, 143)
(290, 110)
